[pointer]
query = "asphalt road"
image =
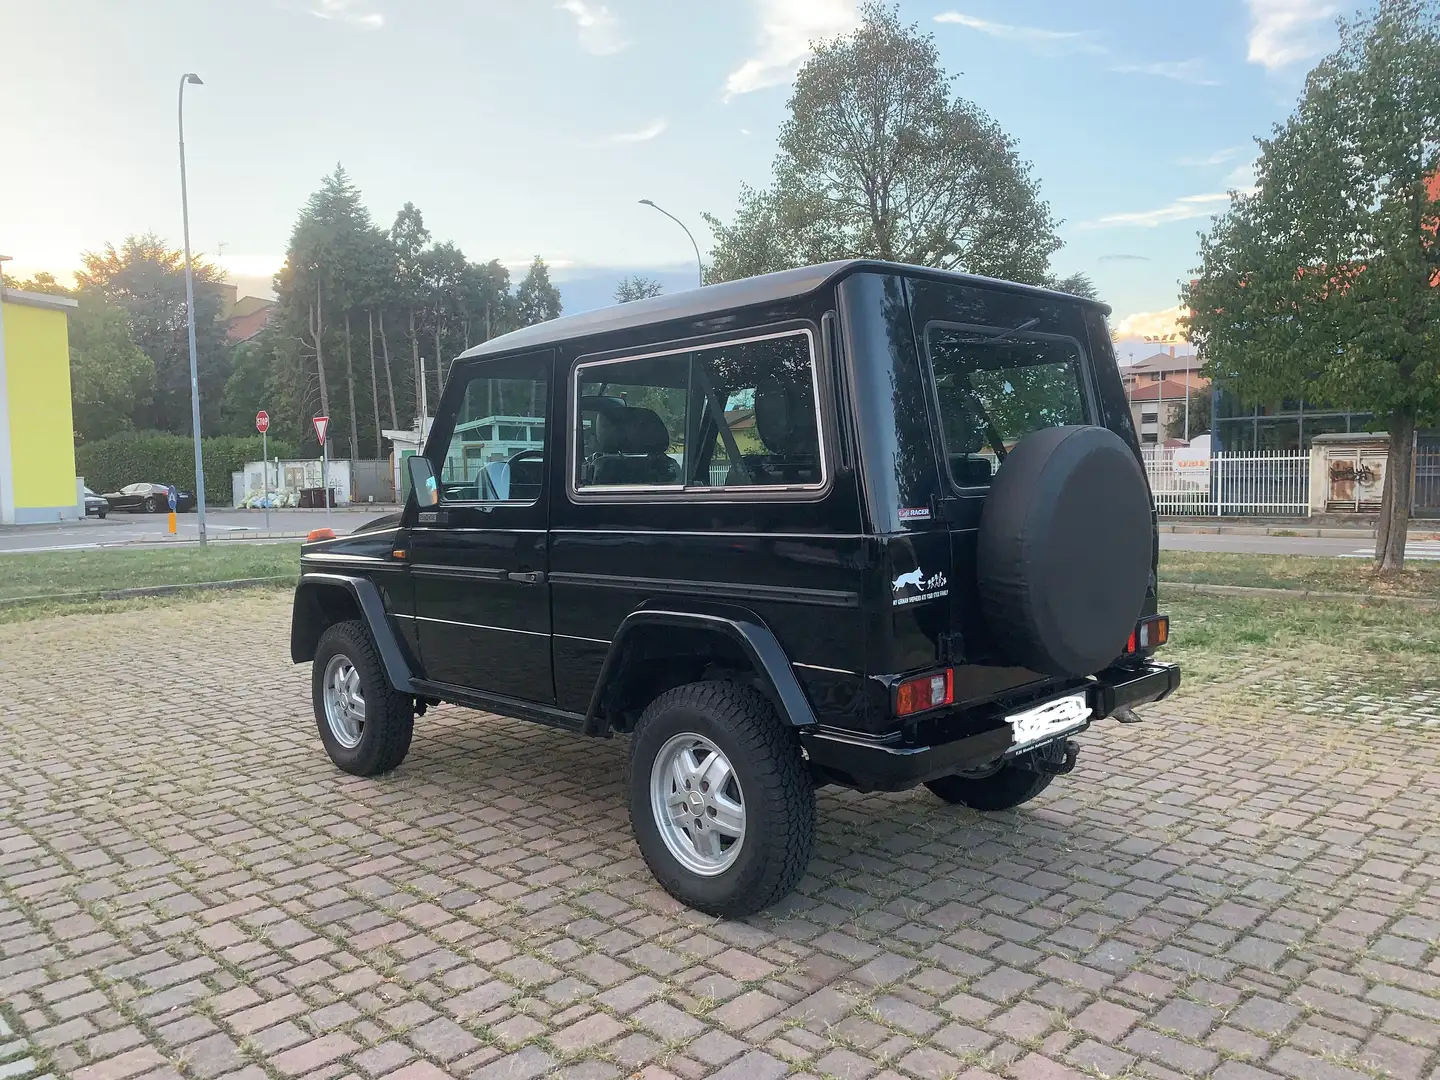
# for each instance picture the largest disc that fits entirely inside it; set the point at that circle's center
(127, 529)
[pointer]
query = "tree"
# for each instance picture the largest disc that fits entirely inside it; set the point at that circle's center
(249, 388)
(877, 159)
(111, 379)
(1176, 426)
(145, 278)
(537, 300)
(1324, 282)
(637, 287)
(1077, 284)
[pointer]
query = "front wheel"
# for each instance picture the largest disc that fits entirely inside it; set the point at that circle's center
(1005, 788)
(720, 798)
(365, 723)
(150, 504)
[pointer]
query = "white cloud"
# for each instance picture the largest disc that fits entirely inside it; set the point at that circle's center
(1186, 71)
(1143, 324)
(1037, 38)
(1185, 208)
(1284, 32)
(650, 131)
(352, 12)
(787, 27)
(1219, 157)
(1242, 177)
(598, 26)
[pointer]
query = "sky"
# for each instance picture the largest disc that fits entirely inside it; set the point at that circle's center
(524, 127)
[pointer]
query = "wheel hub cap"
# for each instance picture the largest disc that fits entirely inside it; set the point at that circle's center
(344, 702)
(698, 804)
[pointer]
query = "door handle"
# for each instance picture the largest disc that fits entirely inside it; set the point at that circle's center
(527, 577)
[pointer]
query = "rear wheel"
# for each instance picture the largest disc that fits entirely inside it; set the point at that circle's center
(720, 798)
(1005, 788)
(365, 724)
(150, 504)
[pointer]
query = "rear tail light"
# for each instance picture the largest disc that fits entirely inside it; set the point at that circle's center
(926, 692)
(1149, 634)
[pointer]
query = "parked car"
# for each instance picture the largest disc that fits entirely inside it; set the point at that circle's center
(149, 499)
(856, 524)
(96, 504)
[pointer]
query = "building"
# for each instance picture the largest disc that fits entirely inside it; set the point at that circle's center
(243, 316)
(37, 426)
(1158, 386)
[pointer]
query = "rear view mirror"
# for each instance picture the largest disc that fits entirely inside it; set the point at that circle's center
(422, 480)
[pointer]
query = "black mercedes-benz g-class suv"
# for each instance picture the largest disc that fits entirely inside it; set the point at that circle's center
(857, 524)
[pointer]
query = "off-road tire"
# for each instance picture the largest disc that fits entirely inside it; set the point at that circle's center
(1005, 789)
(389, 714)
(779, 796)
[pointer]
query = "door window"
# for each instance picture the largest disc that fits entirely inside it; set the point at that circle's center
(497, 448)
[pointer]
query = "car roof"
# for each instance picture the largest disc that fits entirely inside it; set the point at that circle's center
(728, 295)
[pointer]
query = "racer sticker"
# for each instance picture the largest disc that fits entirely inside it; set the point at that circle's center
(914, 513)
(924, 586)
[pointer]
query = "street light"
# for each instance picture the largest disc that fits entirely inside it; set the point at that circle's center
(194, 80)
(699, 265)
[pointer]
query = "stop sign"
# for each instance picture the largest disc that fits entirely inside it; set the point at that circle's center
(262, 421)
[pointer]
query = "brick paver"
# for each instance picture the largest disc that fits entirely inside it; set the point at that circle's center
(188, 888)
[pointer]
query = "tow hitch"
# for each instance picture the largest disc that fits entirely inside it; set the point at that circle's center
(1056, 759)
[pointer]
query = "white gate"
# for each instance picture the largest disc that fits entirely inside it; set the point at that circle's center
(1243, 483)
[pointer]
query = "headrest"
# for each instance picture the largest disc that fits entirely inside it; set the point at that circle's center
(631, 431)
(785, 417)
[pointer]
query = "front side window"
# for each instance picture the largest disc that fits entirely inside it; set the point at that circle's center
(496, 451)
(994, 390)
(734, 415)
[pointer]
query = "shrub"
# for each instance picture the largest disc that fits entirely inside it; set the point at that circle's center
(161, 458)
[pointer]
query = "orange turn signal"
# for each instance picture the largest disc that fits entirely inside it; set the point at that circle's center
(320, 534)
(1149, 634)
(927, 692)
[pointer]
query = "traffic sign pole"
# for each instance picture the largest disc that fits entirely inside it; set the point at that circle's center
(262, 425)
(322, 425)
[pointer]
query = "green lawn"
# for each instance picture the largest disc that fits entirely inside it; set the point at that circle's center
(1304, 572)
(31, 583)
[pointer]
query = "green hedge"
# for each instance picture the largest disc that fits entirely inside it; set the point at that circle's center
(156, 457)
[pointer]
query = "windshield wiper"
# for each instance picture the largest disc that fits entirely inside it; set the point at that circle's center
(1026, 325)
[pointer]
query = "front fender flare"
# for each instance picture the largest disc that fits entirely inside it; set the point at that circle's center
(308, 622)
(754, 638)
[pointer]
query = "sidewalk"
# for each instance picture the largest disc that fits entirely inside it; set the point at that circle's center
(1425, 530)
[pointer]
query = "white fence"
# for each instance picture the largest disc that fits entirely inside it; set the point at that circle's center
(1225, 484)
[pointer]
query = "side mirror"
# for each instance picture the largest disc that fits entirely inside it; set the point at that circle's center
(422, 480)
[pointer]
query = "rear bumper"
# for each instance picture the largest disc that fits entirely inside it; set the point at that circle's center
(867, 764)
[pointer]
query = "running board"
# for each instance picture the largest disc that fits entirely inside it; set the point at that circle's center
(501, 705)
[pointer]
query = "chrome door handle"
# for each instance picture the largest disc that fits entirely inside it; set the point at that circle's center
(528, 577)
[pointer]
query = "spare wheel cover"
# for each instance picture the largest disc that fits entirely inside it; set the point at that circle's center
(1064, 551)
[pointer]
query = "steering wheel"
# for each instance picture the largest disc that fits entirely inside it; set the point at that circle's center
(540, 454)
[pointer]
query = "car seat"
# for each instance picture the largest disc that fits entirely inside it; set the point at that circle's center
(631, 449)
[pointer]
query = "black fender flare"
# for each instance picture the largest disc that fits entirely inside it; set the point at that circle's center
(754, 638)
(308, 622)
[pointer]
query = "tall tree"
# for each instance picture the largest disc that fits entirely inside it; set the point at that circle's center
(1326, 282)
(879, 160)
(111, 379)
(637, 287)
(408, 237)
(145, 278)
(537, 300)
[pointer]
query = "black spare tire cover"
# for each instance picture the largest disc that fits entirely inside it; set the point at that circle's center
(1064, 550)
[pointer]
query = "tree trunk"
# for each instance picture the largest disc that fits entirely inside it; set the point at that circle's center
(416, 370)
(374, 386)
(389, 374)
(1390, 534)
(439, 376)
(350, 382)
(317, 331)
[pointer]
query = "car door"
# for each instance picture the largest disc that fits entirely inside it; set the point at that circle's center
(479, 559)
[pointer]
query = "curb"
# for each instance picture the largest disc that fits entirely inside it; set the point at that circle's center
(1294, 594)
(149, 590)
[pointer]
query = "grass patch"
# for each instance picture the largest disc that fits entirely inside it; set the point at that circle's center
(63, 582)
(1394, 647)
(1307, 572)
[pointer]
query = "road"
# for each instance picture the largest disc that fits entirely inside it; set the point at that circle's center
(127, 529)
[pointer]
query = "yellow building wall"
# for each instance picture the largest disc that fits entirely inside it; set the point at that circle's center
(42, 425)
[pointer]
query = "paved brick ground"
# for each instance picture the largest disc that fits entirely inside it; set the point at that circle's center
(190, 889)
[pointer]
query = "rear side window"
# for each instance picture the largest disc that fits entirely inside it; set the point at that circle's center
(735, 415)
(993, 390)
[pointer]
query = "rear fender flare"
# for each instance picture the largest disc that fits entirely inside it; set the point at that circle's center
(754, 638)
(309, 620)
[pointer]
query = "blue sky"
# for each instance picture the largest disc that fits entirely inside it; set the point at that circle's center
(534, 126)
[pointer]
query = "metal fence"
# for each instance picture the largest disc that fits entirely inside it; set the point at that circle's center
(1239, 483)
(1427, 477)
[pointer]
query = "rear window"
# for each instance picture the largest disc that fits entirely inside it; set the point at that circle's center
(994, 388)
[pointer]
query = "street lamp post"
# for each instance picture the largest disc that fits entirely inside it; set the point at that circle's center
(193, 79)
(698, 264)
